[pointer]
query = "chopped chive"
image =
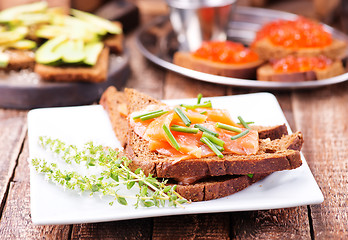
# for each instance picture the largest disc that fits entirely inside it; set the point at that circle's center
(206, 104)
(243, 122)
(178, 128)
(221, 149)
(204, 112)
(250, 175)
(153, 115)
(240, 135)
(171, 137)
(183, 117)
(246, 123)
(145, 114)
(214, 139)
(199, 98)
(211, 146)
(204, 129)
(228, 127)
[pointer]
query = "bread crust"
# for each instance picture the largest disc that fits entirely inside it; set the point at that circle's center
(245, 71)
(266, 160)
(266, 73)
(20, 59)
(96, 73)
(111, 100)
(267, 50)
(115, 42)
(213, 188)
(213, 177)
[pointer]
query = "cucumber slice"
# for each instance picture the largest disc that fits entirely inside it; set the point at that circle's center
(10, 14)
(4, 59)
(72, 51)
(47, 54)
(22, 44)
(13, 35)
(97, 21)
(93, 51)
(77, 23)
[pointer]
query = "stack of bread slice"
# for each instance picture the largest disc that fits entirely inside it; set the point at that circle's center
(200, 179)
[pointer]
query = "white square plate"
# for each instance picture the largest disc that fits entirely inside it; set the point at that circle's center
(51, 204)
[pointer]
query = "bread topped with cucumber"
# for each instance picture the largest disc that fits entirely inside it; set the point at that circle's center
(72, 47)
(198, 147)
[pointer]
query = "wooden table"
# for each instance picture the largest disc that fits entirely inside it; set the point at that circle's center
(321, 114)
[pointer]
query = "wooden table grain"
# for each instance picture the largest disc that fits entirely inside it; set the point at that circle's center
(321, 114)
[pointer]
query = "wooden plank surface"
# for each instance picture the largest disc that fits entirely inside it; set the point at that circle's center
(16, 220)
(12, 132)
(322, 117)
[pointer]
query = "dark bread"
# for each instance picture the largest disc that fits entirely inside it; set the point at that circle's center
(96, 73)
(267, 50)
(266, 73)
(196, 185)
(20, 59)
(268, 159)
(112, 100)
(217, 187)
(246, 71)
(115, 42)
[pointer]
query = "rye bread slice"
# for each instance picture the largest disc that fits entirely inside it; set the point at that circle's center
(266, 73)
(20, 59)
(115, 42)
(217, 187)
(111, 100)
(267, 50)
(115, 104)
(270, 158)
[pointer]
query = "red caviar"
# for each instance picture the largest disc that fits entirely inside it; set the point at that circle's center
(299, 33)
(226, 52)
(300, 64)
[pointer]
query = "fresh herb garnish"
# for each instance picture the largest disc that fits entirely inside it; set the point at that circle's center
(172, 139)
(115, 172)
(204, 129)
(206, 104)
(245, 124)
(178, 128)
(182, 116)
(211, 146)
(199, 98)
(228, 127)
(240, 135)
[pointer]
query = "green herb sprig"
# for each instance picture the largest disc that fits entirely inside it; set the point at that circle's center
(115, 172)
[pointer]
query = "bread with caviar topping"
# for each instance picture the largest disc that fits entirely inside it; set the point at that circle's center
(244, 70)
(267, 73)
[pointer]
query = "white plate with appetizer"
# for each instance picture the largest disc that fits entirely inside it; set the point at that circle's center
(157, 41)
(54, 204)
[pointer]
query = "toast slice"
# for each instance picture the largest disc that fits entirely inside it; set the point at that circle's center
(266, 73)
(197, 186)
(245, 71)
(272, 156)
(115, 103)
(267, 50)
(115, 42)
(20, 59)
(217, 187)
(96, 73)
